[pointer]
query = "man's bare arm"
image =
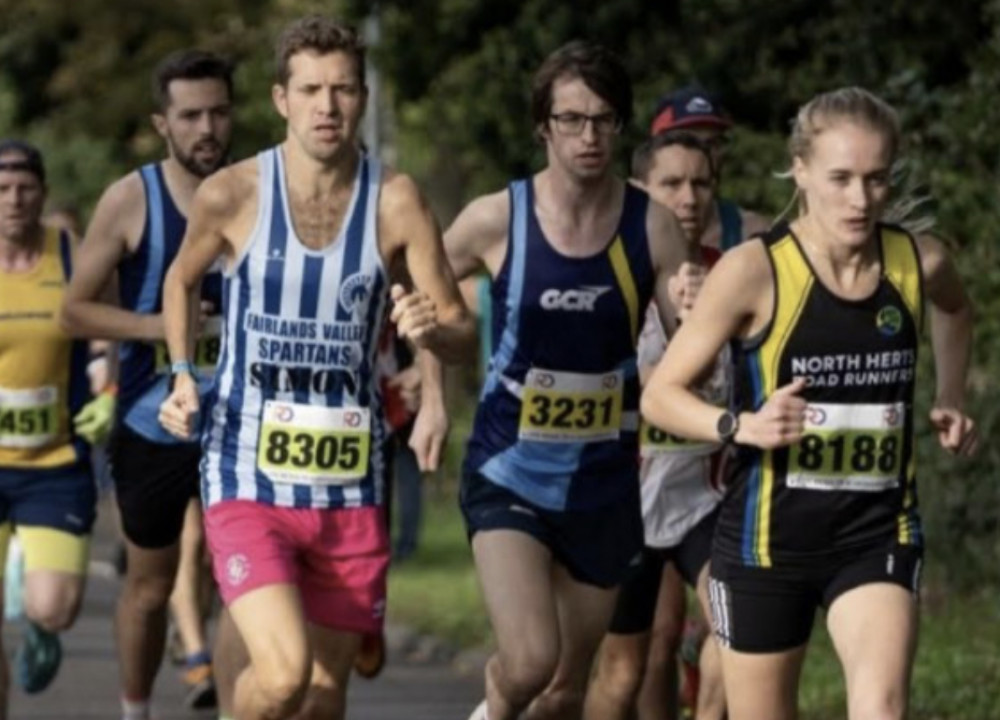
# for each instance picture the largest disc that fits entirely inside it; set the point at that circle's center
(87, 311)
(219, 199)
(478, 236)
(443, 325)
(204, 243)
(670, 251)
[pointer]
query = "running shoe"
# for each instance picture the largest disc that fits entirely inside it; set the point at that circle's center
(38, 658)
(200, 684)
(370, 660)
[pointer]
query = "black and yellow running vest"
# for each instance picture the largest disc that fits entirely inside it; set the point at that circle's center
(849, 483)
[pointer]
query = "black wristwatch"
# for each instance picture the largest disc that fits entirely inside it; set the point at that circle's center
(727, 426)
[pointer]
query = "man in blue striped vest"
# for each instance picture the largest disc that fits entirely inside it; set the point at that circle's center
(311, 233)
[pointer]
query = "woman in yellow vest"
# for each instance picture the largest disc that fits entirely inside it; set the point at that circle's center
(820, 508)
(47, 493)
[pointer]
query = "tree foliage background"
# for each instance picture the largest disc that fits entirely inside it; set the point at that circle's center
(454, 75)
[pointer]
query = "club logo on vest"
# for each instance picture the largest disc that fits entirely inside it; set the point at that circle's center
(355, 293)
(580, 300)
(889, 320)
(237, 569)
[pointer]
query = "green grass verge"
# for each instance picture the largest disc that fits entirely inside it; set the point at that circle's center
(957, 674)
(435, 590)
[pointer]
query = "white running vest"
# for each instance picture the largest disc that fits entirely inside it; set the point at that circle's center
(675, 477)
(295, 417)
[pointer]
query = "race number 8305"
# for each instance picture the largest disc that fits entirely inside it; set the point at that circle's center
(312, 451)
(314, 445)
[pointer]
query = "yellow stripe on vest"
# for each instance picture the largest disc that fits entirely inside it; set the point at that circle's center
(902, 268)
(626, 283)
(793, 282)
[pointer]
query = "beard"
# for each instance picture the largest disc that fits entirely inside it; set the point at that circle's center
(22, 234)
(190, 162)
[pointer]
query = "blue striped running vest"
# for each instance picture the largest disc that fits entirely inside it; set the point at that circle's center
(295, 418)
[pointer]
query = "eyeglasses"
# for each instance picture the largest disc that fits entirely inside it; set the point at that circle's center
(573, 123)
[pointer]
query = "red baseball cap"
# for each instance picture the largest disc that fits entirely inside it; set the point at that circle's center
(690, 106)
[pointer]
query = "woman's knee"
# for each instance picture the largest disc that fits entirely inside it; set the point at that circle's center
(889, 704)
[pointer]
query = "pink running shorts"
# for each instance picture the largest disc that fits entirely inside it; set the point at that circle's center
(338, 558)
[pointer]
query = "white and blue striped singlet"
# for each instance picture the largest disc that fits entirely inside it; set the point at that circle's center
(300, 326)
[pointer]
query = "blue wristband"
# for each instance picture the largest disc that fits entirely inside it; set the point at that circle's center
(184, 366)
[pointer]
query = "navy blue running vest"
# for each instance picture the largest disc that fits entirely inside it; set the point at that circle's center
(558, 417)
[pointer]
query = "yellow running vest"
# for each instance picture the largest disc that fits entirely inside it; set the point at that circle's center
(42, 371)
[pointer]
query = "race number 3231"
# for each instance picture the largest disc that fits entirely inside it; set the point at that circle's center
(564, 406)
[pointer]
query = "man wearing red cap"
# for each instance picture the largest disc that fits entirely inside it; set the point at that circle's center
(699, 113)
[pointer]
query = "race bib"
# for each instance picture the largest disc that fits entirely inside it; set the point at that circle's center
(28, 418)
(305, 444)
(206, 349)
(654, 441)
(849, 447)
(571, 407)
